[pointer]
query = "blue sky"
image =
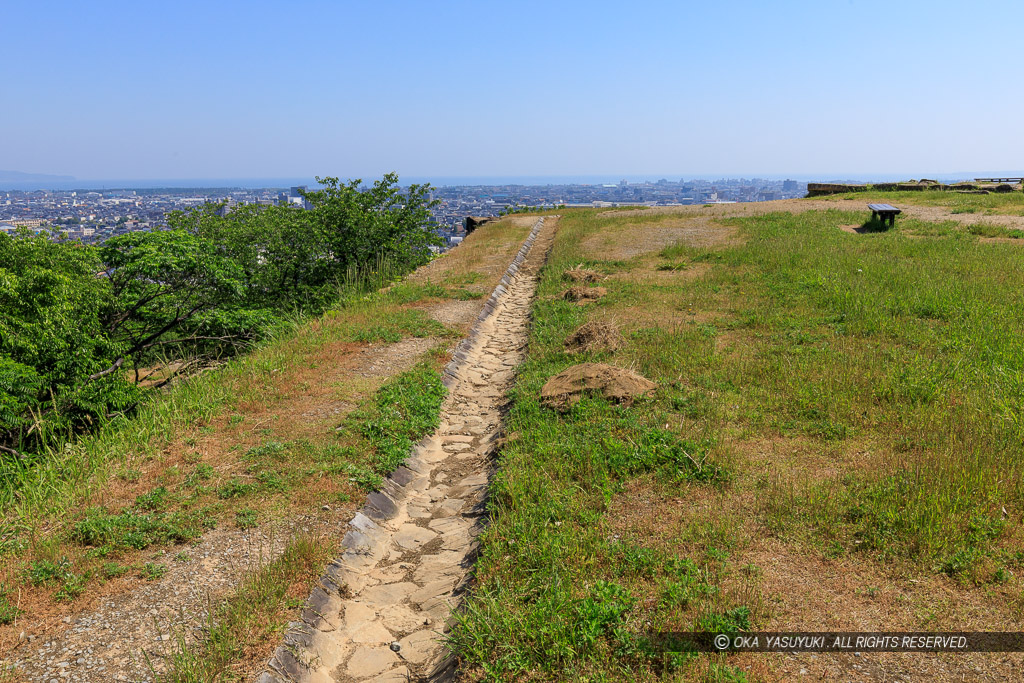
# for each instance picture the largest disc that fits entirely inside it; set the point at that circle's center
(227, 89)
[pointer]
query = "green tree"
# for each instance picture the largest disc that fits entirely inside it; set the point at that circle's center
(53, 347)
(360, 225)
(161, 283)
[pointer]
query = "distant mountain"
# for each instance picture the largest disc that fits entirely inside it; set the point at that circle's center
(19, 177)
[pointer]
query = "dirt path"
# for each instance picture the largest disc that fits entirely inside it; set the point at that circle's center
(381, 609)
(125, 627)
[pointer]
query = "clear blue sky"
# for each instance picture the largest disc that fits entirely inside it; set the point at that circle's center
(214, 89)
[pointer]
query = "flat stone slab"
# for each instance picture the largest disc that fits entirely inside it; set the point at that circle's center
(387, 594)
(370, 661)
(399, 675)
(371, 632)
(412, 537)
(417, 647)
(432, 590)
(401, 619)
(448, 507)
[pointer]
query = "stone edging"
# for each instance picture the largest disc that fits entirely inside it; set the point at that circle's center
(381, 506)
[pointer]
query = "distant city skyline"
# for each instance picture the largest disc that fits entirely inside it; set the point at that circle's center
(484, 181)
(860, 89)
(98, 215)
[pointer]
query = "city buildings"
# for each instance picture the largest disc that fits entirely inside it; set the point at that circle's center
(96, 215)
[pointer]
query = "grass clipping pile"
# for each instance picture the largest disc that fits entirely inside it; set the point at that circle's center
(616, 384)
(594, 336)
(581, 274)
(583, 295)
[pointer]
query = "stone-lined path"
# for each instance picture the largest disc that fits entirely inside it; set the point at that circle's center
(381, 608)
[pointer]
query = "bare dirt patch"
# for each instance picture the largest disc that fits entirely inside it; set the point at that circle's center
(594, 336)
(626, 240)
(457, 314)
(142, 622)
(616, 384)
(811, 593)
(1001, 240)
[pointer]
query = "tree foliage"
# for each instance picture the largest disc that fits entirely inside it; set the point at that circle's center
(76, 319)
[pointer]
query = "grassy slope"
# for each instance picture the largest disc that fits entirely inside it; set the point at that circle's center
(851, 398)
(247, 445)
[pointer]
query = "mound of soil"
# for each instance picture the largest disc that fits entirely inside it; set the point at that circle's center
(566, 388)
(584, 294)
(594, 336)
(581, 274)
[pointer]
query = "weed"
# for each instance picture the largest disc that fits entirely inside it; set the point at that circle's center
(735, 619)
(246, 518)
(235, 488)
(128, 529)
(152, 571)
(48, 573)
(363, 477)
(112, 570)
(464, 294)
(8, 612)
(155, 500)
(272, 449)
(201, 473)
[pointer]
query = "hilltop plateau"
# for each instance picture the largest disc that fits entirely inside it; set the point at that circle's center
(832, 443)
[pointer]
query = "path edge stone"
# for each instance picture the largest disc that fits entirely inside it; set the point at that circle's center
(380, 506)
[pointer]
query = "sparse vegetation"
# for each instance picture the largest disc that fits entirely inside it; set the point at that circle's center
(253, 618)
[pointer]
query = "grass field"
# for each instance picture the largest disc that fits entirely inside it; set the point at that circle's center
(297, 429)
(830, 405)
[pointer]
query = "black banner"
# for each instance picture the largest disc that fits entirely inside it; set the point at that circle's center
(839, 641)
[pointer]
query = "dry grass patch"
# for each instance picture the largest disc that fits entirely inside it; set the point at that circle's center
(481, 259)
(583, 294)
(626, 237)
(582, 275)
(594, 336)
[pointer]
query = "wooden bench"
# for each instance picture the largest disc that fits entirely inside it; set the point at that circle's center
(885, 213)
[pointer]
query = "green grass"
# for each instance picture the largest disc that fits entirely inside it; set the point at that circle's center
(988, 230)
(404, 410)
(40, 495)
(903, 338)
(560, 593)
(893, 357)
(8, 612)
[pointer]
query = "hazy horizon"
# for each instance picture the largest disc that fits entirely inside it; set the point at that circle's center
(448, 181)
